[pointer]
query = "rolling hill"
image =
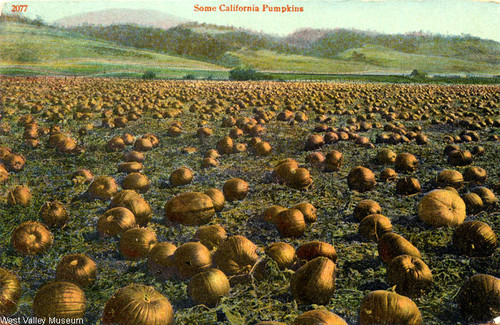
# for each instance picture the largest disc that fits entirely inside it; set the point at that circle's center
(349, 51)
(151, 18)
(29, 49)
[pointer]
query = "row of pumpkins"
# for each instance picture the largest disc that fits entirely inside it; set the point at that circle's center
(313, 281)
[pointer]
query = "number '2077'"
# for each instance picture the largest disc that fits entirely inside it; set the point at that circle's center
(19, 8)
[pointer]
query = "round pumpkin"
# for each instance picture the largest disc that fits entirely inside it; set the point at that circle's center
(365, 208)
(479, 298)
(282, 253)
(442, 208)
(54, 214)
(115, 221)
(217, 197)
(451, 178)
(373, 226)
(272, 212)
(211, 236)
(19, 195)
(384, 307)
(406, 162)
(135, 243)
(391, 245)
(308, 210)
(314, 282)
(291, 223)
(333, 161)
(137, 182)
(192, 258)
(473, 203)
(386, 156)
(208, 287)
(10, 292)
(133, 201)
(475, 175)
(138, 304)
(475, 239)
(78, 269)
(235, 189)
(191, 208)
(31, 238)
(236, 255)
(181, 176)
(361, 179)
(313, 249)
(411, 276)
(319, 317)
(408, 186)
(161, 260)
(59, 299)
(103, 188)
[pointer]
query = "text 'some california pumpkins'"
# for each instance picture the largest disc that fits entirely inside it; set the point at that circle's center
(479, 298)
(190, 209)
(31, 238)
(442, 208)
(10, 292)
(384, 307)
(314, 282)
(138, 304)
(59, 299)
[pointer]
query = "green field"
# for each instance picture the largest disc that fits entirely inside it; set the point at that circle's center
(269, 61)
(390, 59)
(27, 49)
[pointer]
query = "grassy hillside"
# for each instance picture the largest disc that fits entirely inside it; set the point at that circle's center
(264, 60)
(27, 49)
(388, 58)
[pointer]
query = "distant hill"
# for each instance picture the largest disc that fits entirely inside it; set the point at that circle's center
(229, 46)
(27, 49)
(150, 18)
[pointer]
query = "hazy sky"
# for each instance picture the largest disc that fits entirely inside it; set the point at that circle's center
(478, 18)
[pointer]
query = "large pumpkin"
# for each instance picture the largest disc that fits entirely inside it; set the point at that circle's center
(208, 287)
(31, 238)
(442, 208)
(319, 317)
(236, 255)
(10, 292)
(479, 298)
(391, 245)
(314, 282)
(384, 307)
(191, 208)
(59, 299)
(78, 269)
(411, 276)
(475, 239)
(135, 243)
(138, 304)
(133, 201)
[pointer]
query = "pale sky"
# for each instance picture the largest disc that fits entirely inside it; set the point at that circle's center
(447, 17)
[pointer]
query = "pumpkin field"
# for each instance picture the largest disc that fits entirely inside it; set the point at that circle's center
(153, 202)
